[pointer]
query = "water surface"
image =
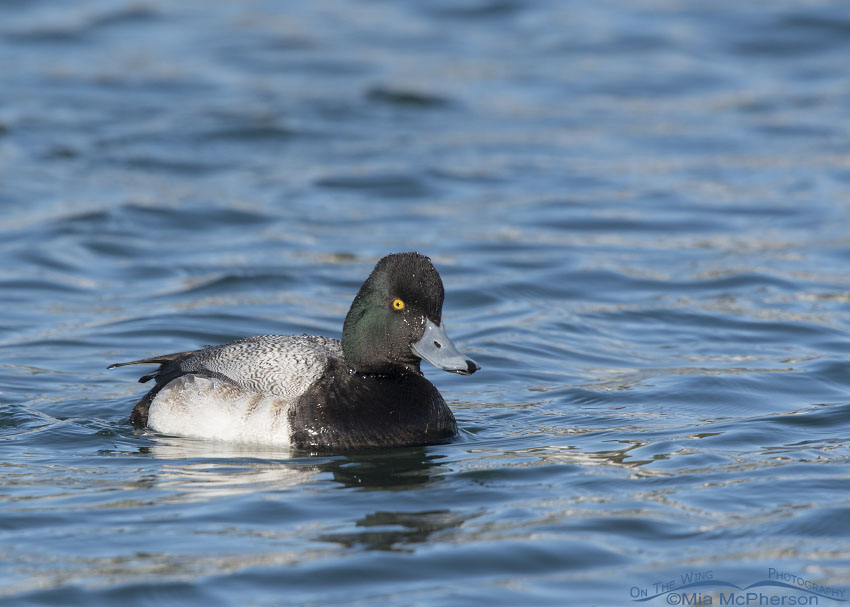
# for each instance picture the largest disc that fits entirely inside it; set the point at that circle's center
(640, 214)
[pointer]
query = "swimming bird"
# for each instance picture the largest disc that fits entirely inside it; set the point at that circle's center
(316, 393)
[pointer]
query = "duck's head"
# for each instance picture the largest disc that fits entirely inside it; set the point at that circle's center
(396, 320)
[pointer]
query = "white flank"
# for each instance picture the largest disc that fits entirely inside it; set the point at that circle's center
(215, 409)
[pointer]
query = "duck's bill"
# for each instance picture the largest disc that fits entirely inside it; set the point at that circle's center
(436, 347)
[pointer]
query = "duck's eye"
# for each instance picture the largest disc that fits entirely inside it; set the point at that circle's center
(398, 304)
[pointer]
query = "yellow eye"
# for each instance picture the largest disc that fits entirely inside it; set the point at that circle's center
(398, 304)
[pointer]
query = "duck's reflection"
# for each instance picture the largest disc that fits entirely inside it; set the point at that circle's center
(385, 470)
(391, 470)
(201, 470)
(191, 470)
(396, 531)
(379, 470)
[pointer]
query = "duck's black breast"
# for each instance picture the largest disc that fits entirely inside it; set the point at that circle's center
(342, 410)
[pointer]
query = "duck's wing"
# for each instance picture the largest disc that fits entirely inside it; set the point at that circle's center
(281, 365)
(275, 364)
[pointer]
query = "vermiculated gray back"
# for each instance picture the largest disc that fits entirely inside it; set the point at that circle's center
(284, 365)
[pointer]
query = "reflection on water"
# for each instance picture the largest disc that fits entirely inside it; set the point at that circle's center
(399, 531)
(228, 466)
(399, 469)
(182, 448)
(203, 471)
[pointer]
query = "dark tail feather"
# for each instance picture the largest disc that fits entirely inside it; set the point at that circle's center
(161, 360)
(155, 360)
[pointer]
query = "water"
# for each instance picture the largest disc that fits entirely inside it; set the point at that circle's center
(640, 212)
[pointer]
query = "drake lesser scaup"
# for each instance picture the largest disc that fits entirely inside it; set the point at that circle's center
(316, 393)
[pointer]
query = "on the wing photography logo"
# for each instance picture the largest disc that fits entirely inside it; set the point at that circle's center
(700, 588)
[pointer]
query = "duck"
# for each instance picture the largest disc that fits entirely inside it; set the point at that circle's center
(315, 393)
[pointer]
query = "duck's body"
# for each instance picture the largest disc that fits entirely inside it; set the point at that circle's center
(316, 393)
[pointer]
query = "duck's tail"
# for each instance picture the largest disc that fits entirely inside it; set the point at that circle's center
(162, 359)
(168, 370)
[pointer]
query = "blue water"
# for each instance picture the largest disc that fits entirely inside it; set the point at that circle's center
(640, 211)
